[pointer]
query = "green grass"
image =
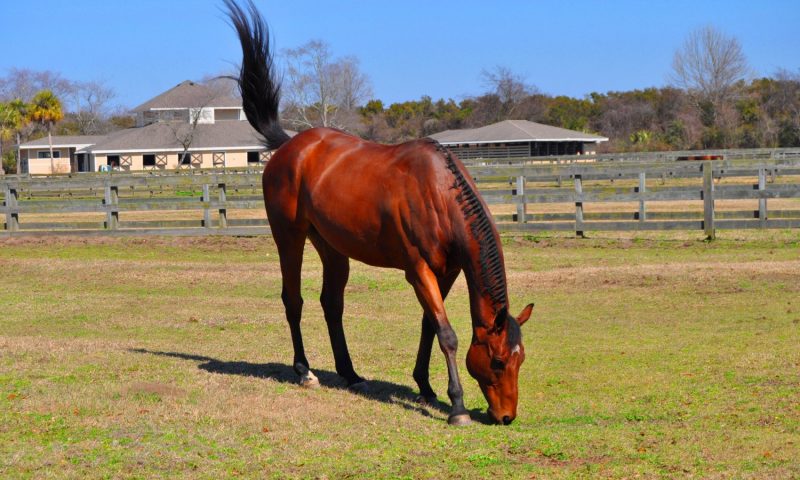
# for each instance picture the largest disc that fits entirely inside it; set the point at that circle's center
(656, 355)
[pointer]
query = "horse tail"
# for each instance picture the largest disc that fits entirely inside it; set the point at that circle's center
(257, 79)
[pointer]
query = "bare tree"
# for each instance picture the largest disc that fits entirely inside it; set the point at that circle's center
(709, 65)
(353, 87)
(309, 93)
(92, 100)
(319, 90)
(185, 130)
(24, 83)
(510, 88)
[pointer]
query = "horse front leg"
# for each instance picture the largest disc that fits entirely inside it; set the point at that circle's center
(427, 334)
(426, 286)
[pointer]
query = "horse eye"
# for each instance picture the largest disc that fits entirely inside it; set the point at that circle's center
(497, 364)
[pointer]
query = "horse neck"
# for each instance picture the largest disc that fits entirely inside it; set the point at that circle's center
(484, 270)
(481, 254)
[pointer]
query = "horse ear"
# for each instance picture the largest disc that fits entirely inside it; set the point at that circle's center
(525, 315)
(500, 319)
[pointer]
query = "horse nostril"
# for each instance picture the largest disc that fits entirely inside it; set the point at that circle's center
(507, 420)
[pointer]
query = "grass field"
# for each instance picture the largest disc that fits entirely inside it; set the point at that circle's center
(651, 356)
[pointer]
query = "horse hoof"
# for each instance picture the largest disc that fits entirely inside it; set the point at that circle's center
(423, 400)
(309, 380)
(459, 420)
(360, 387)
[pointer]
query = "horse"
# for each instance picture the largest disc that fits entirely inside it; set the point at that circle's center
(411, 206)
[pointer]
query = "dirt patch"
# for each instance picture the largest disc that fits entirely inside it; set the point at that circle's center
(658, 275)
(154, 388)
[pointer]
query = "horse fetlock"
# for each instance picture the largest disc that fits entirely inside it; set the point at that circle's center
(309, 380)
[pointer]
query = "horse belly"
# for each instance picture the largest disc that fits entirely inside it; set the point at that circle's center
(362, 240)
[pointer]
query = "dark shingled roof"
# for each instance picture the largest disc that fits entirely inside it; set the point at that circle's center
(164, 136)
(514, 131)
(189, 94)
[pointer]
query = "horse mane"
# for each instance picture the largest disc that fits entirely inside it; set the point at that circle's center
(480, 224)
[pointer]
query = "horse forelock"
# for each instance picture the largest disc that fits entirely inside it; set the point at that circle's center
(492, 272)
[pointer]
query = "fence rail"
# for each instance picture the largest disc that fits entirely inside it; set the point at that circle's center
(627, 195)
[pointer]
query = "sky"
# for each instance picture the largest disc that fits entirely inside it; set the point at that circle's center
(407, 48)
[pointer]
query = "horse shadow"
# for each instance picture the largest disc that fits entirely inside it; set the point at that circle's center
(378, 390)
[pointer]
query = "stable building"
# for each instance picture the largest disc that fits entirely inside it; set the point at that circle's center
(188, 126)
(517, 138)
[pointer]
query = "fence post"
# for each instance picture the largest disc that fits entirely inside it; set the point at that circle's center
(206, 207)
(642, 189)
(578, 206)
(12, 217)
(762, 201)
(708, 200)
(223, 212)
(522, 207)
(111, 201)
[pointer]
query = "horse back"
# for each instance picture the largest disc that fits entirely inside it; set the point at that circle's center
(385, 205)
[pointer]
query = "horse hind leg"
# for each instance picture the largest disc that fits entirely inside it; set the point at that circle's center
(335, 273)
(290, 250)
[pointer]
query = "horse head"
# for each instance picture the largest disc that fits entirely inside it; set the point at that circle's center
(494, 358)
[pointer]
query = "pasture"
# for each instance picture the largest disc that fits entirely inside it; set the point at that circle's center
(648, 354)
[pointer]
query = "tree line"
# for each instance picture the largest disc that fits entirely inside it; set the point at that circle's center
(712, 100)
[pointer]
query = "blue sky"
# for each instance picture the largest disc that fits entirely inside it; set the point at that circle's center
(408, 49)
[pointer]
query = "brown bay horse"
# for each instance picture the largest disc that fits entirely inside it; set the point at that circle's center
(411, 206)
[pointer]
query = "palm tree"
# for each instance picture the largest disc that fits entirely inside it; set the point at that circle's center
(45, 109)
(13, 118)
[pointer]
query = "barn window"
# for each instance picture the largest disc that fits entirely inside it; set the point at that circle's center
(253, 157)
(149, 160)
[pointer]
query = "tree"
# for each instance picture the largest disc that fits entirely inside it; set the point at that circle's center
(510, 88)
(13, 118)
(184, 131)
(24, 83)
(92, 107)
(319, 89)
(352, 87)
(45, 109)
(709, 66)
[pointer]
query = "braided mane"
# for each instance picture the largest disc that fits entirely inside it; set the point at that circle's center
(492, 272)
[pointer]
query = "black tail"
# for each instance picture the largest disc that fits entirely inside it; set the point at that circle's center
(260, 89)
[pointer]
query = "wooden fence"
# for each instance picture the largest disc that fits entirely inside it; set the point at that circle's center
(738, 193)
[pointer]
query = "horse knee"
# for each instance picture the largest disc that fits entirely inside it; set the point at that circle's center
(448, 340)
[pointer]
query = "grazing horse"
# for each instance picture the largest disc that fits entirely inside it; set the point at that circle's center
(411, 206)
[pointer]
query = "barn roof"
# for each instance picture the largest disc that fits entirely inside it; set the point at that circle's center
(514, 131)
(64, 141)
(163, 136)
(188, 94)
